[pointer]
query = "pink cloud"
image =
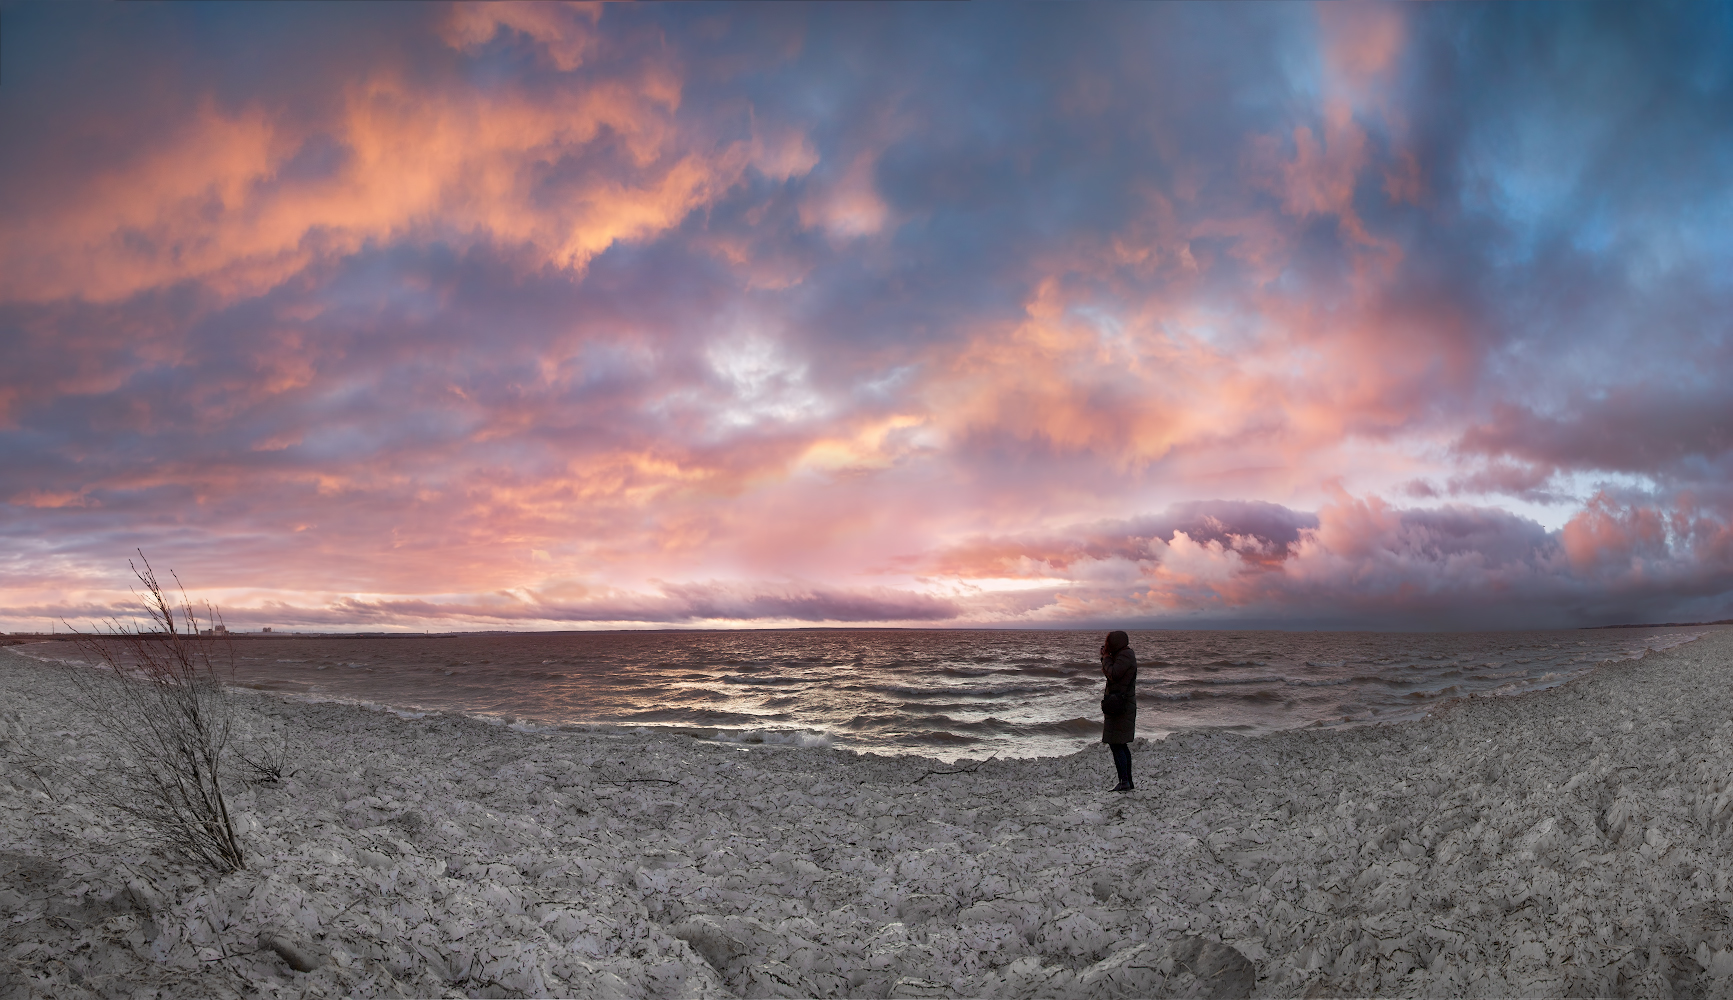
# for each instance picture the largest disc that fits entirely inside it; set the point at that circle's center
(1606, 532)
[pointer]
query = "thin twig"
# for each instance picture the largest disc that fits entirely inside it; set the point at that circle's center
(346, 909)
(30, 769)
(960, 770)
(629, 781)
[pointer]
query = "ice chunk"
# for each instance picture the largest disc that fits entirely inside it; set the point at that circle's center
(298, 958)
(1134, 971)
(918, 989)
(1210, 969)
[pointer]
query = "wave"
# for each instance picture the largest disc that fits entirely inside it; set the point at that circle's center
(1059, 671)
(275, 684)
(1267, 679)
(782, 737)
(909, 691)
(1066, 727)
(936, 737)
(1204, 694)
(696, 694)
(697, 717)
(899, 727)
(940, 707)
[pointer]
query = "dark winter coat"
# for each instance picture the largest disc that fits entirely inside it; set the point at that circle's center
(1120, 669)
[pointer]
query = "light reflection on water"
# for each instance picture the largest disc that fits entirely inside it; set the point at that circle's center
(944, 693)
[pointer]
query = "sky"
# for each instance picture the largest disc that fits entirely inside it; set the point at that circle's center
(500, 316)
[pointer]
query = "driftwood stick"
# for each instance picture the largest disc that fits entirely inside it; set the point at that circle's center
(960, 770)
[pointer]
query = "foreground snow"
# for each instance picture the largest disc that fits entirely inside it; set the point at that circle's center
(1573, 841)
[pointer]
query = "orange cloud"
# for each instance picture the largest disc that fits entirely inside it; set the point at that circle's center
(565, 31)
(242, 199)
(48, 500)
(1105, 385)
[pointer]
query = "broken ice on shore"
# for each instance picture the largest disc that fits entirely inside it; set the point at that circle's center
(1571, 841)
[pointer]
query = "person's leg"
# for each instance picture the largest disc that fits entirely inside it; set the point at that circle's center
(1122, 764)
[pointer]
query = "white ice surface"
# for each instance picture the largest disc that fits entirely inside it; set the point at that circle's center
(1571, 841)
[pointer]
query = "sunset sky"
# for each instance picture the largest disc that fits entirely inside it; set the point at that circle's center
(539, 316)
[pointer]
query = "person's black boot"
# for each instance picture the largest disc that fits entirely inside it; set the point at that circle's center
(1122, 764)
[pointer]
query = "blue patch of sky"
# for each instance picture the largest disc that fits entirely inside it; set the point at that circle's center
(1300, 62)
(887, 386)
(1108, 326)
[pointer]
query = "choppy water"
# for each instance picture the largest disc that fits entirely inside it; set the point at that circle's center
(940, 692)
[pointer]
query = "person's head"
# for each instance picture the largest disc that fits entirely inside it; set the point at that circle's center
(1117, 641)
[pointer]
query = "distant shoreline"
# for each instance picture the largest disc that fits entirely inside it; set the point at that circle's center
(1724, 621)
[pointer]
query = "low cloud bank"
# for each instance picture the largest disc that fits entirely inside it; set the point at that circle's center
(672, 605)
(1356, 562)
(1361, 561)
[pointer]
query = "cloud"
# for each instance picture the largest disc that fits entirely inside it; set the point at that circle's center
(566, 32)
(1355, 562)
(683, 605)
(1642, 428)
(1360, 561)
(1606, 532)
(240, 199)
(662, 308)
(1263, 530)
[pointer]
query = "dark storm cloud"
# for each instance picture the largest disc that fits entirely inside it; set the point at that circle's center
(1657, 429)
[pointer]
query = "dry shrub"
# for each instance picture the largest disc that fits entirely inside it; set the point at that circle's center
(163, 725)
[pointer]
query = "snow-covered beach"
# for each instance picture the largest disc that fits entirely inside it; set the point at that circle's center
(1572, 841)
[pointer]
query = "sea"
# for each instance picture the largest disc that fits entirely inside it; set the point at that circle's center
(948, 694)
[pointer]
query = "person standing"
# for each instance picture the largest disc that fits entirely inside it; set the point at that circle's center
(1119, 703)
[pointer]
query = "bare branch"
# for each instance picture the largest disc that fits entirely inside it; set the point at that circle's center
(163, 724)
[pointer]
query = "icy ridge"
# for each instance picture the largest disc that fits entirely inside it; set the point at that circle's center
(1573, 840)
